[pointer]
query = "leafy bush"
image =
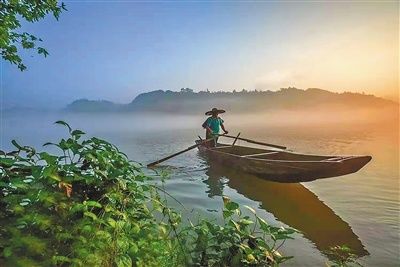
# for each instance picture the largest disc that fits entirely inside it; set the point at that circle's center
(342, 256)
(86, 206)
(238, 242)
(90, 206)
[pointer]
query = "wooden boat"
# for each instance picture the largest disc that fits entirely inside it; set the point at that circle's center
(282, 166)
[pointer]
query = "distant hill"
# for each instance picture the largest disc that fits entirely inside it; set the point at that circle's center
(190, 102)
(85, 105)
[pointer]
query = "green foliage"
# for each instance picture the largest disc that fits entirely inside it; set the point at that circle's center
(11, 11)
(342, 256)
(239, 241)
(89, 205)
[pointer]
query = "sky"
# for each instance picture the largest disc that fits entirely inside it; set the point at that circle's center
(115, 50)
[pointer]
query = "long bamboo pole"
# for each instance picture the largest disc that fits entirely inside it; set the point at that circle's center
(253, 141)
(178, 153)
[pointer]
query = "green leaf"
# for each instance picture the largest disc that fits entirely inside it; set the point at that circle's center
(92, 203)
(8, 162)
(133, 249)
(49, 143)
(112, 222)
(50, 159)
(60, 259)
(91, 215)
(7, 252)
(104, 235)
(77, 133)
(51, 171)
(78, 207)
(284, 258)
(263, 225)
(123, 261)
(19, 184)
(43, 51)
(65, 124)
(227, 213)
(231, 206)
(235, 224)
(250, 209)
(16, 144)
(245, 222)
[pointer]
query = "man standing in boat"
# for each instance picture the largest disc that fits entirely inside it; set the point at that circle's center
(213, 123)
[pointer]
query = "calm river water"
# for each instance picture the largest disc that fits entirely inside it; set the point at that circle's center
(361, 209)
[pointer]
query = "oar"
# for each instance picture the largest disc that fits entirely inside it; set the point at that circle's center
(236, 138)
(178, 153)
(253, 142)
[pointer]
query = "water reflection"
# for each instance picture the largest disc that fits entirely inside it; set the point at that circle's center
(292, 204)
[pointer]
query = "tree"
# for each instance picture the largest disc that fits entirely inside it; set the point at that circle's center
(186, 90)
(11, 12)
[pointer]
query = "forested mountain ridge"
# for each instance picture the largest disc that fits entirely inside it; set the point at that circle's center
(188, 101)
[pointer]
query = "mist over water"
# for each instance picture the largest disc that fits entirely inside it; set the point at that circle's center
(359, 209)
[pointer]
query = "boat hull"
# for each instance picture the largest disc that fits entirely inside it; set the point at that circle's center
(291, 167)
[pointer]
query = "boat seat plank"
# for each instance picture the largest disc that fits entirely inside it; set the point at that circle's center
(338, 158)
(219, 147)
(259, 154)
(333, 159)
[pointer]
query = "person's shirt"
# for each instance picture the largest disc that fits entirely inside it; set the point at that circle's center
(213, 124)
